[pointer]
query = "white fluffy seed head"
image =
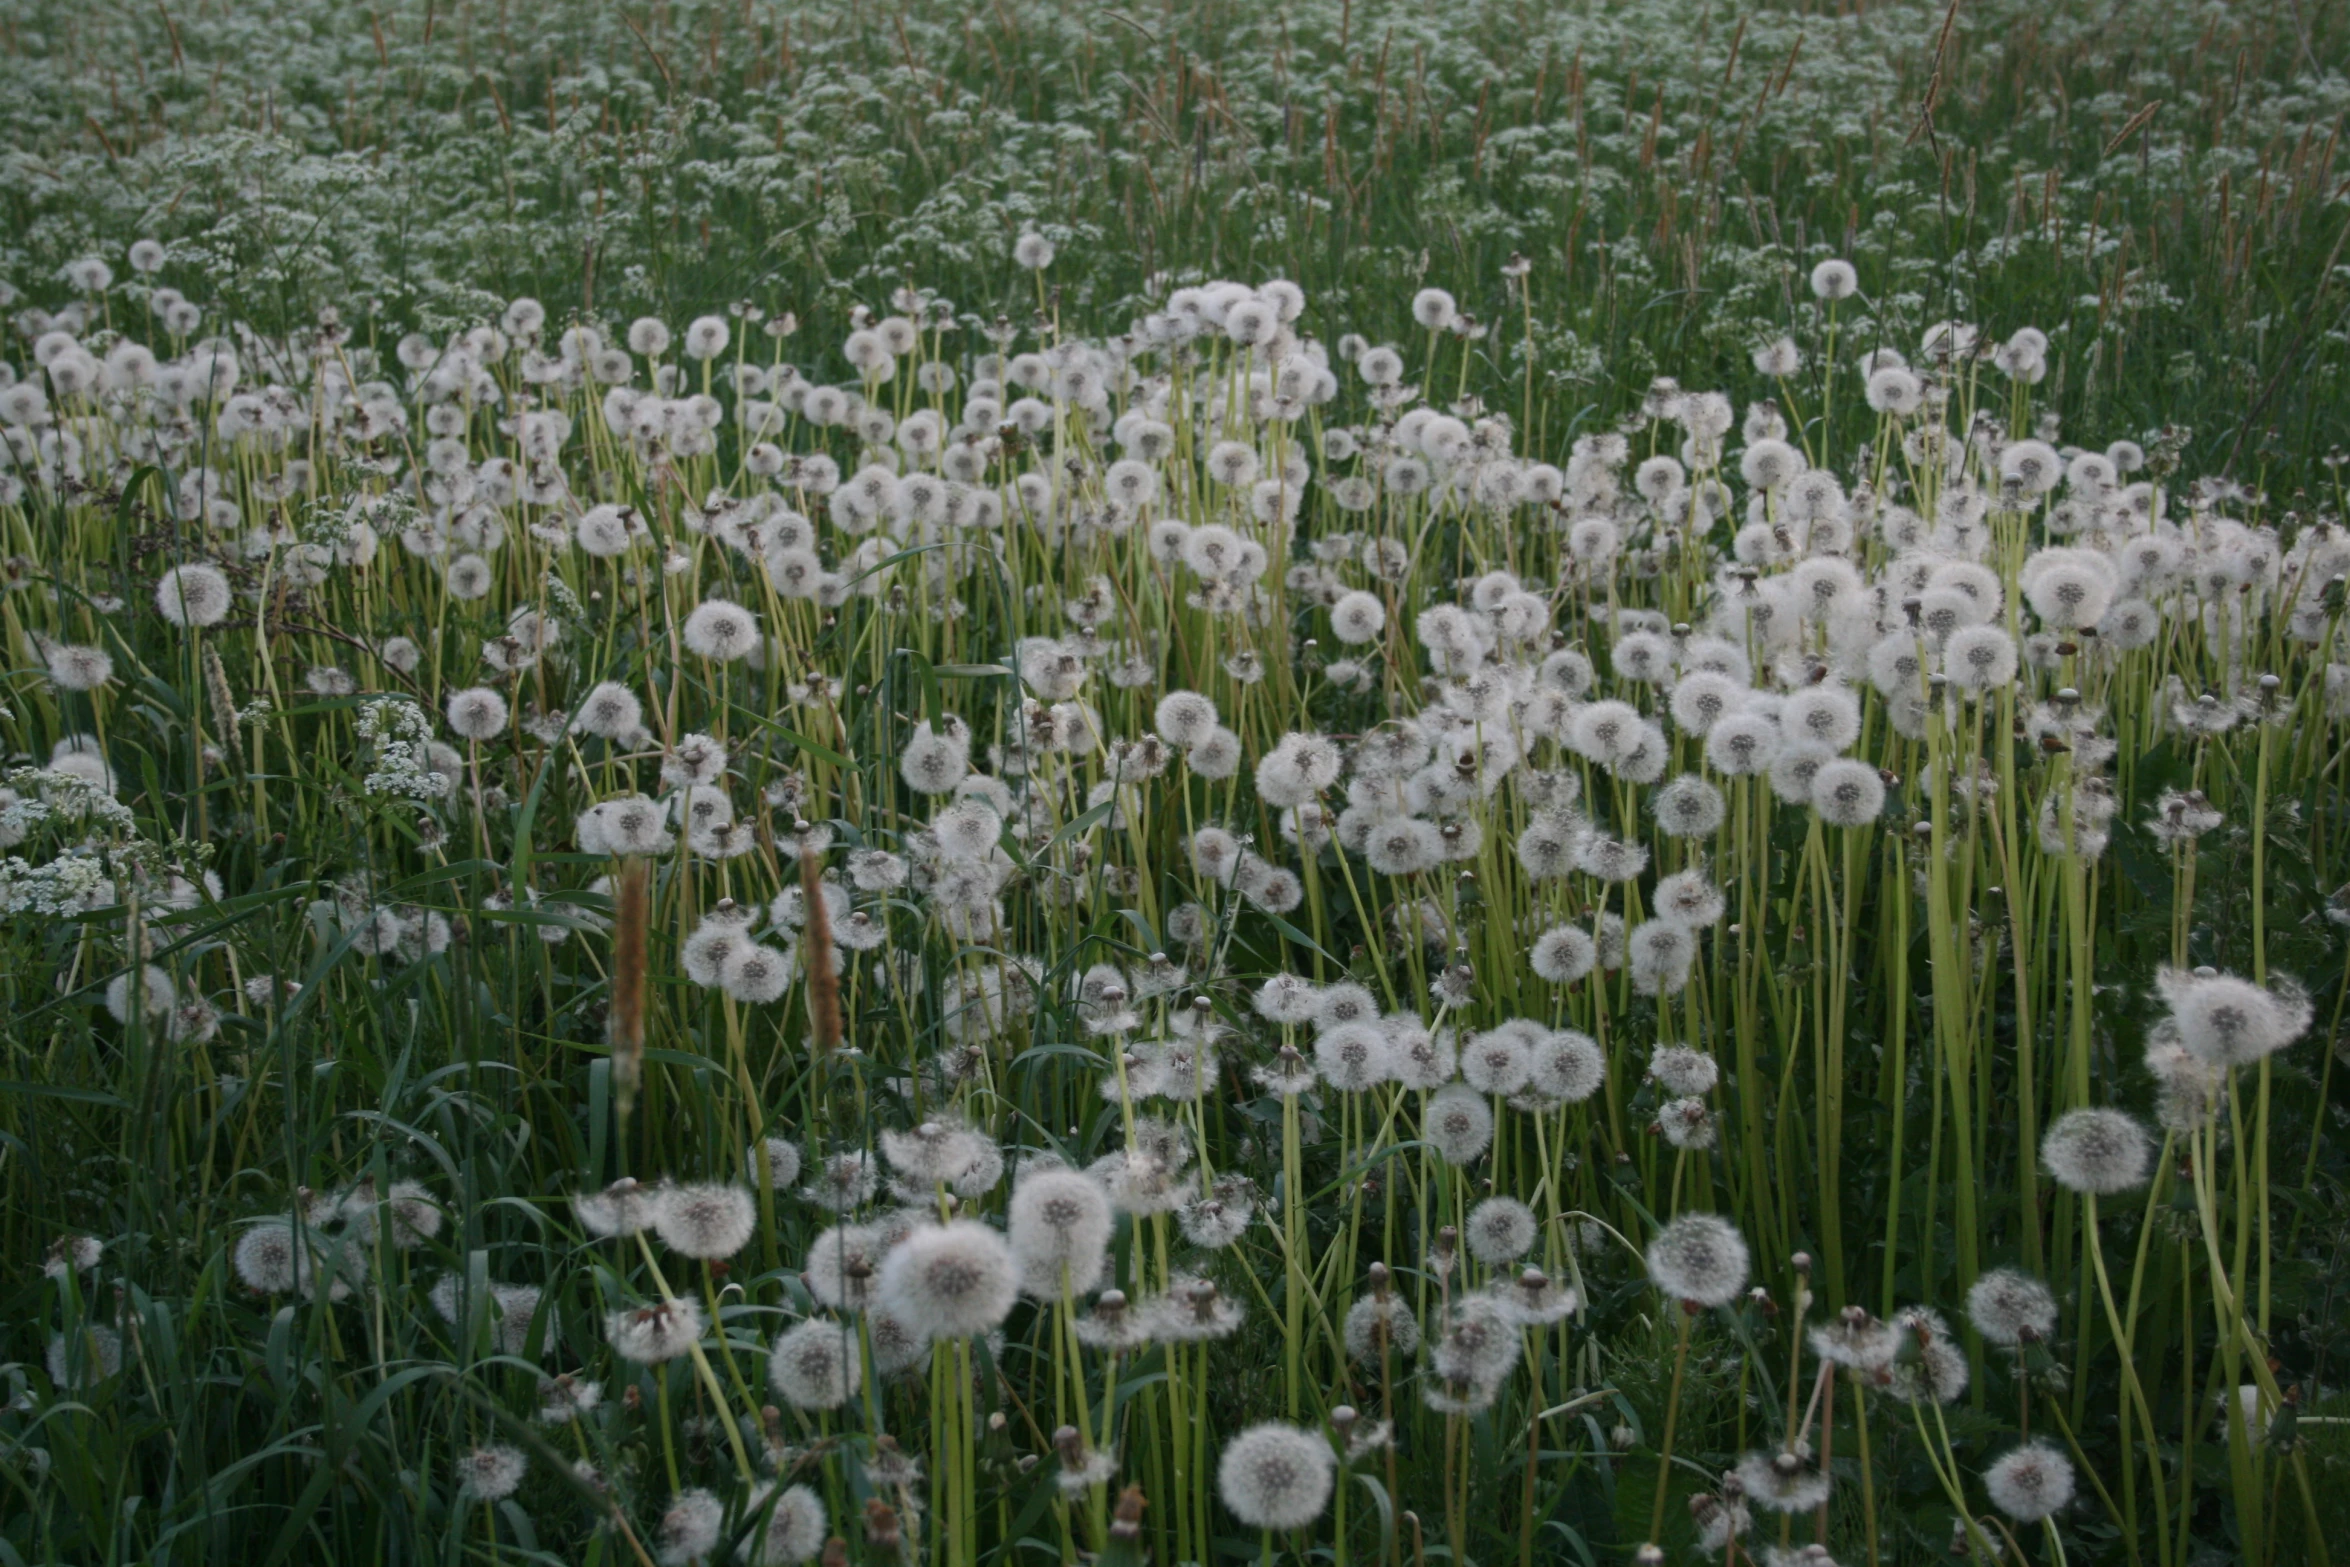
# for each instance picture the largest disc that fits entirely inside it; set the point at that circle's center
(193, 595)
(690, 1527)
(2097, 1151)
(2030, 1483)
(1358, 618)
(1354, 1056)
(1687, 807)
(816, 1365)
(490, 1474)
(1501, 1059)
(266, 1259)
(1458, 1124)
(652, 1334)
(1563, 954)
(1275, 1476)
(948, 1281)
(1684, 1072)
(721, 630)
(1979, 659)
(1568, 1067)
(1500, 1229)
(840, 1267)
(1847, 792)
(705, 1221)
(755, 973)
(2009, 1308)
(1833, 280)
(2226, 1021)
(1060, 1223)
(1185, 718)
(610, 711)
(1699, 1258)
(795, 1529)
(477, 714)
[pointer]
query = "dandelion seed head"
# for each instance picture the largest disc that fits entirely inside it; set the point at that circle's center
(1699, 1258)
(1834, 280)
(690, 1528)
(650, 1335)
(842, 1265)
(1783, 1482)
(477, 714)
(490, 1474)
(754, 973)
(1275, 1476)
(1354, 1056)
(267, 1258)
(705, 1221)
(1688, 807)
(1825, 715)
(1563, 954)
(1684, 1072)
(794, 1531)
(1378, 1323)
(1928, 1365)
(2009, 1308)
(1550, 847)
(2228, 1021)
(721, 630)
(1185, 718)
(1501, 1059)
(2097, 1151)
(1434, 309)
(1499, 1230)
(1847, 793)
(1458, 1124)
(1980, 659)
(816, 1364)
(935, 760)
(2030, 1483)
(953, 1280)
(194, 595)
(1059, 1230)
(1476, 1346)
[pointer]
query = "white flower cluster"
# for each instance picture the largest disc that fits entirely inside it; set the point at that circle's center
(399, 734)
(76, 882)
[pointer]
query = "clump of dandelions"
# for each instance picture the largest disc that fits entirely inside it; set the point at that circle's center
(1275, 1476)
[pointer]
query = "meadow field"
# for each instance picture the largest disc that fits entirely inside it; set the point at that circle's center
(1346, 783)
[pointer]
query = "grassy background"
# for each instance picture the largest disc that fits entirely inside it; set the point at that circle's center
(2160, 187)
